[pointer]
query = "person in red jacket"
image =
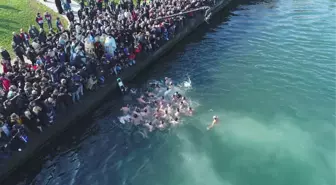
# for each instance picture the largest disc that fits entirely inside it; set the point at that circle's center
(5, 83)
(39, 20)
(138, 48)
(131, 58)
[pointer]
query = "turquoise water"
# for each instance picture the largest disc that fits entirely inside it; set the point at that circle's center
(267, 71)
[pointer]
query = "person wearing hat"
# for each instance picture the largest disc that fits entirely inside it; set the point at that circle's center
(39, 20)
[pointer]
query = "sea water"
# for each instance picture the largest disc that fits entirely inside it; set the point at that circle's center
(267, 71)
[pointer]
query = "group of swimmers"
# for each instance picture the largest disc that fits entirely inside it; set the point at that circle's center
(160, 107)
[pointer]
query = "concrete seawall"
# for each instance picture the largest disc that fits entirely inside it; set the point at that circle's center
(92, 100)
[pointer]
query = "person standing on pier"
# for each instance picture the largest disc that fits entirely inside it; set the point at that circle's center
(39, 20)
(47, 17)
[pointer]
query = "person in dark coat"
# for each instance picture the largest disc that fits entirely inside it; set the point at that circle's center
(19, 51)
(4, 54)
(17, 39)
(59, 6)
(42, 36)
(31, 122)
(33, 32)
(31, 55)
(70, 16)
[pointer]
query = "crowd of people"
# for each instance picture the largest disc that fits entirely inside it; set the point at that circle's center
(66, 63)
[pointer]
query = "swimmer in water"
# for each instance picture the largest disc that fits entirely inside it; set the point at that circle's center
(170, 109)
(167, 91)
(184, 101)
(125, 109)
(165, 115)
(181, 105)
(171, 85)
(144, 113)
(190, 111)
(174, 121)
(177, 113)
(161, 125)
(136, 119)
(214, 121)
(167, 81)
(157, 113)
(141, 100)
(149, 125)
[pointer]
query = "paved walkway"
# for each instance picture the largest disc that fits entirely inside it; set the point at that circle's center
(51, 4)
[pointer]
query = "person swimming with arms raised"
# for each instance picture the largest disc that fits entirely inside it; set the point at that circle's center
(214, 121)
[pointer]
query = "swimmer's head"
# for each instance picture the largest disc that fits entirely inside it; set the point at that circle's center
(135, 115)
(176, 119)
(167, 88)
(145, 110)
(214, 117)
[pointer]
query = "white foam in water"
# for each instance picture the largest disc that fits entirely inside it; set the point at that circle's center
(187, 84)
(124, 119)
